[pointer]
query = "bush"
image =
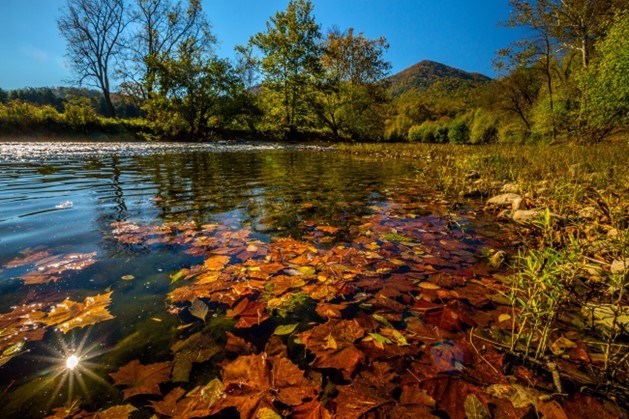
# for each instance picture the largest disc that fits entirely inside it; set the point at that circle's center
(78, 114)
(484, 128)
(459, 132)
(424, 133)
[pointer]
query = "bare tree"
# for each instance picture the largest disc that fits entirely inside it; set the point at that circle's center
(94, 32)
(161, 27)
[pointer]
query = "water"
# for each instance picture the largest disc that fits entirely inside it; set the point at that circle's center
(63, 198)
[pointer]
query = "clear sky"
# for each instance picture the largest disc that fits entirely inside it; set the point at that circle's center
(460, 33)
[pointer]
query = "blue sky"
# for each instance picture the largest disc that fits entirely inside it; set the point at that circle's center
(460, 33)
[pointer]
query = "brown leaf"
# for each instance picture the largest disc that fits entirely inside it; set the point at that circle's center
(311, 410)
(196, 349)
(353, 403)
(199, 402)
(237, 345)
(50, 268)
(141, 379)
(262, 378)
(69, 314)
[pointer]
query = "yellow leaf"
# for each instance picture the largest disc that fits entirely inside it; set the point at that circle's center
(330, 343)
(504, 317)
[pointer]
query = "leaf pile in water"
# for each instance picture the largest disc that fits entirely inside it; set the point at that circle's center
(49, 268)
(375, 318)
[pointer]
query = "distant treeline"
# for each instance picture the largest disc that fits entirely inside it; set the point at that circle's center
(59, 97)
(154, 67)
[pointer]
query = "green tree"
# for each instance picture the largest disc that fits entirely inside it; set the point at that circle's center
(196, 93)
(606, 84)
(291, 64)
(160, 28)
(94, 31)
(353, 90)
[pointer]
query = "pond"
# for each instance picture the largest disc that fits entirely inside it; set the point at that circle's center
(196, 259)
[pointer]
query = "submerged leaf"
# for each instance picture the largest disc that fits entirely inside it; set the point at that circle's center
(285, 329)
(199, 309)
(141, 379)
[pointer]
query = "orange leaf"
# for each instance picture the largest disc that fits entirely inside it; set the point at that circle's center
(141, 379)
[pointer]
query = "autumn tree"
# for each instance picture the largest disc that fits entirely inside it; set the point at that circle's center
(353, 84)
(606, 84)
(290, 63)
(160, 27)
(94, 31)
(516, 93)
(198, 92)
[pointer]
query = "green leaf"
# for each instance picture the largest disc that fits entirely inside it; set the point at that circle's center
(176, 277)
(285, 329)
(379, 338)
(382, 320)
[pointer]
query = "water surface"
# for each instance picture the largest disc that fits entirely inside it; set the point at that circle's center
(67, 199)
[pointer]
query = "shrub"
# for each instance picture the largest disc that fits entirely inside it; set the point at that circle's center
(459, 132)
(78, 114)
(484, 128)
(424, 133)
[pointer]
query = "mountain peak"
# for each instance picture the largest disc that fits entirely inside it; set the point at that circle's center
(426, 73)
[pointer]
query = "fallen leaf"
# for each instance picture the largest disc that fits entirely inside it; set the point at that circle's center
(199, 309)
(285, 329)
(69, 314)
(196, 349)
(141, 379)
(474, 409)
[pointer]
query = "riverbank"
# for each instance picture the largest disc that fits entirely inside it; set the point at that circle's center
(569, 206)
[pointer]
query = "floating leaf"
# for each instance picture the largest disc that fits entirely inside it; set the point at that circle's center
(69, 314)
(285, 329)
(141, 379)
(127, 277)
(49, 268)
(199, 309)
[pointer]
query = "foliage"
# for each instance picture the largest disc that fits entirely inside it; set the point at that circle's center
(291, 49)
(196, 94)
(159, 29)
(459, 132)
(606, 83)
(353, 89)
(484, 127)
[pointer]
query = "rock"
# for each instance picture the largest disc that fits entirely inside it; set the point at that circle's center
(497, 259)
(589, 213)
(503, 200)
(518, 204)
(527, 216)
(607, 316)
(471, 193)
(620, 266)
(510, 188)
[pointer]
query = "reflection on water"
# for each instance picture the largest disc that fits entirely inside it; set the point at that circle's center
(63, 199)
